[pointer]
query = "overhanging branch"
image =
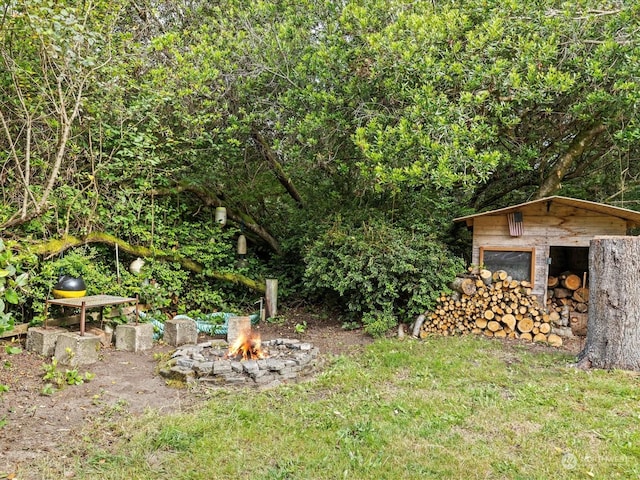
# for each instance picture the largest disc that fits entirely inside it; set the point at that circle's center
(270, 156)
(577, 147)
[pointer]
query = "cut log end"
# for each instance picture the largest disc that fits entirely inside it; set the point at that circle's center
(554, 340)
(464, 285)
(571, 282)
(493, 326)
(525, 325)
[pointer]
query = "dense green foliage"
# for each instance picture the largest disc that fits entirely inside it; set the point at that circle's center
(12, 284)
(138, 120)
(384, 273)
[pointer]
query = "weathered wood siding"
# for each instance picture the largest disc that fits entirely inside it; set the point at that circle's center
(560, 226)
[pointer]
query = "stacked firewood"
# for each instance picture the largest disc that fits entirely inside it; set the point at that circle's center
(568, 296)
(491, 304)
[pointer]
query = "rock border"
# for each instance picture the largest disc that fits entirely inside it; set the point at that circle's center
(289, 360)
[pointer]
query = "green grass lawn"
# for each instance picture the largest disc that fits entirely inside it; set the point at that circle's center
(459, 408)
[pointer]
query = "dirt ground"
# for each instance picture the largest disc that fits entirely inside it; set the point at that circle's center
(33, 424)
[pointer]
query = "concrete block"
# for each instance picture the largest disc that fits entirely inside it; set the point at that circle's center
(106, 335)
(74, 349)
(180, 330)
(43, 340)
(237, 326)
(134, 337)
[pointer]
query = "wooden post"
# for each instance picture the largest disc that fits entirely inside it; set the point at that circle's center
(83, 316)
(613, 327)
(46, 312)
(271, 298)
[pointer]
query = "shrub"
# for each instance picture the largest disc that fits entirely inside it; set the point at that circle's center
(12, 285)
(382, 272)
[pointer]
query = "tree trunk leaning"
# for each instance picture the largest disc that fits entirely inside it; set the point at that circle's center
(613, 332)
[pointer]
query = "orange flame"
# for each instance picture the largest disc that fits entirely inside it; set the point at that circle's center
(247, 346)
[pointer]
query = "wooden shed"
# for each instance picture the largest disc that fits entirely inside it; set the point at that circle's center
(544, 237)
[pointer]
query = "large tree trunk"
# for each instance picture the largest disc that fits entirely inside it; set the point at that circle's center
(613, 331)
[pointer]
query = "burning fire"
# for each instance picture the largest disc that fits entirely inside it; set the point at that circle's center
(246, 346)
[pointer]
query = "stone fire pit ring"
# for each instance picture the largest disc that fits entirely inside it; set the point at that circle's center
(286, 361)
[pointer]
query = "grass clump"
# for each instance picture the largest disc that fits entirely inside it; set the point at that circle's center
(443, 408)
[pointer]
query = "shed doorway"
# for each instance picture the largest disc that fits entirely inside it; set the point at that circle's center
(569, 259)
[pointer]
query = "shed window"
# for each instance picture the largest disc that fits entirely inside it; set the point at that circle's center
(519, 263)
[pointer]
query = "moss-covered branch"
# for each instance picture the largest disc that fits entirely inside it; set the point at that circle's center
(55, 246)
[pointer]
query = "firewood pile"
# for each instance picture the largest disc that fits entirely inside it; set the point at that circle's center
(568, 297)
(491, 304)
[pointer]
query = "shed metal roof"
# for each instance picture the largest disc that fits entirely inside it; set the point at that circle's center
(631, 216)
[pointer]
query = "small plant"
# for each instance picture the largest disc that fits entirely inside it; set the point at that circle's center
(4, 388)
(11, 286)
(351, 325)
(73, 377)
(48, 390)
(12, 350)
(300, 327)
(52, 373)
(378, 322)
(117, 409)
(163, 360)
(161, 356)
(69, 377)
(277, 320)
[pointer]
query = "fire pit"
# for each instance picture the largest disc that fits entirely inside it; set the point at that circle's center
(247, 362)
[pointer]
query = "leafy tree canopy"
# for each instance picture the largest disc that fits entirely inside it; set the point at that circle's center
(138, 119)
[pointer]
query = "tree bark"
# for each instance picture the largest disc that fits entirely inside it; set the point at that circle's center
(577, 147)
(53, 247)
(613, 327)
(279, 172)
(463, 285)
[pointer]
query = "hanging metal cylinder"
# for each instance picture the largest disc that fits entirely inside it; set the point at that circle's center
(221, 216)
(242, 245)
